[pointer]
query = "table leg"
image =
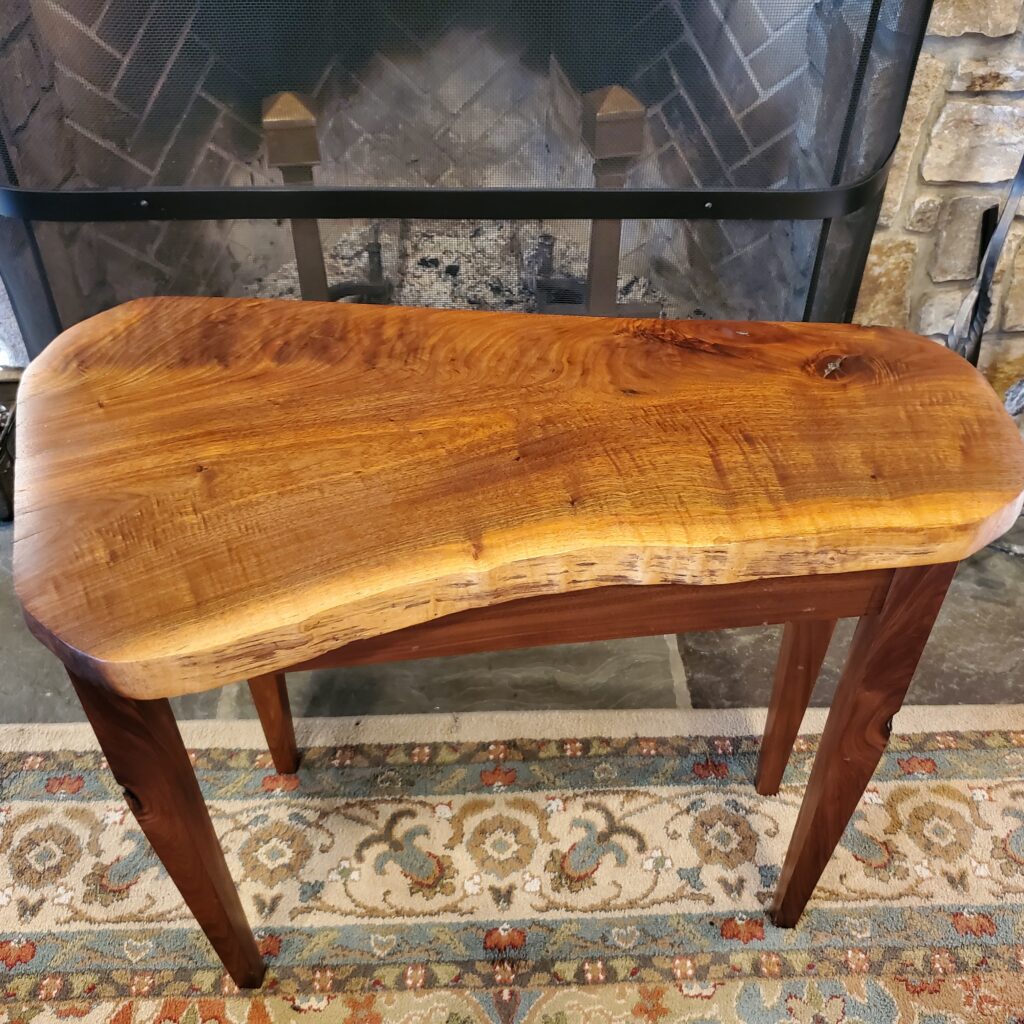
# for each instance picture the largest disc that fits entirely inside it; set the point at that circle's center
(270, 695)
(803, 650)
(144, 750)
(883, 656)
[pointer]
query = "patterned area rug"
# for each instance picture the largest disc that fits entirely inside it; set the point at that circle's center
(436, 869)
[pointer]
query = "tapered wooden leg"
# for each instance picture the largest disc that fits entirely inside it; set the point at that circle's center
(270, 695)
(144, 750)
(803, 650)
(883, 656)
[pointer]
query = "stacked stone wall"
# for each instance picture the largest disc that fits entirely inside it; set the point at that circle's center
(962, 140)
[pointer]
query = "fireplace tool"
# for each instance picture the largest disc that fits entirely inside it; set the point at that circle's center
(9, 378)
(968, 327)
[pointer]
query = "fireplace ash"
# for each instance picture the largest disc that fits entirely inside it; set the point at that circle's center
(490, 265)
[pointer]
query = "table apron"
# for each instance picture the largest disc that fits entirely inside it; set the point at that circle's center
(615, 612)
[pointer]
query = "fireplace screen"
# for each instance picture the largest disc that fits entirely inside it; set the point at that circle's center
(720, 158)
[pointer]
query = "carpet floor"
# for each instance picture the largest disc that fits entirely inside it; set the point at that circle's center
(611, 867)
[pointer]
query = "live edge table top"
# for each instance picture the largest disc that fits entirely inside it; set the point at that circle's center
(209, 489)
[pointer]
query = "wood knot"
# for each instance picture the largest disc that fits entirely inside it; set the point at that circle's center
(834, 366)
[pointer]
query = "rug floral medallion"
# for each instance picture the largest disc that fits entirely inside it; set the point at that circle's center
(544, 881)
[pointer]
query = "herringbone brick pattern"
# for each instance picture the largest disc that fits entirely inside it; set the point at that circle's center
(723, 86)
(148, 102)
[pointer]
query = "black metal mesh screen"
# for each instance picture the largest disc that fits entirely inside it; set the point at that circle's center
(755, 94)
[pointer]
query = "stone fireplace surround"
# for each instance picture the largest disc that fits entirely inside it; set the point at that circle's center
(749, 93)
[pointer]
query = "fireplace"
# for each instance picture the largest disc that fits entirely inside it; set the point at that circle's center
(456, 154)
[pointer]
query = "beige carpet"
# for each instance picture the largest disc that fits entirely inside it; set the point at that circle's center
(545, 868)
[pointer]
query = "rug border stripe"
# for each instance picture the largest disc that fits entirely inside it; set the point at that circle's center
(476, 726)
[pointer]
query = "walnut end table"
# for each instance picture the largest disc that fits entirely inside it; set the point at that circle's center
(211, 490)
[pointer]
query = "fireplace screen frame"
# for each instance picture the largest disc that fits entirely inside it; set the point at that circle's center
(863, 197)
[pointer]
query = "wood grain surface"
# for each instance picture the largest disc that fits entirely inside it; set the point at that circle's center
(214, 489)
